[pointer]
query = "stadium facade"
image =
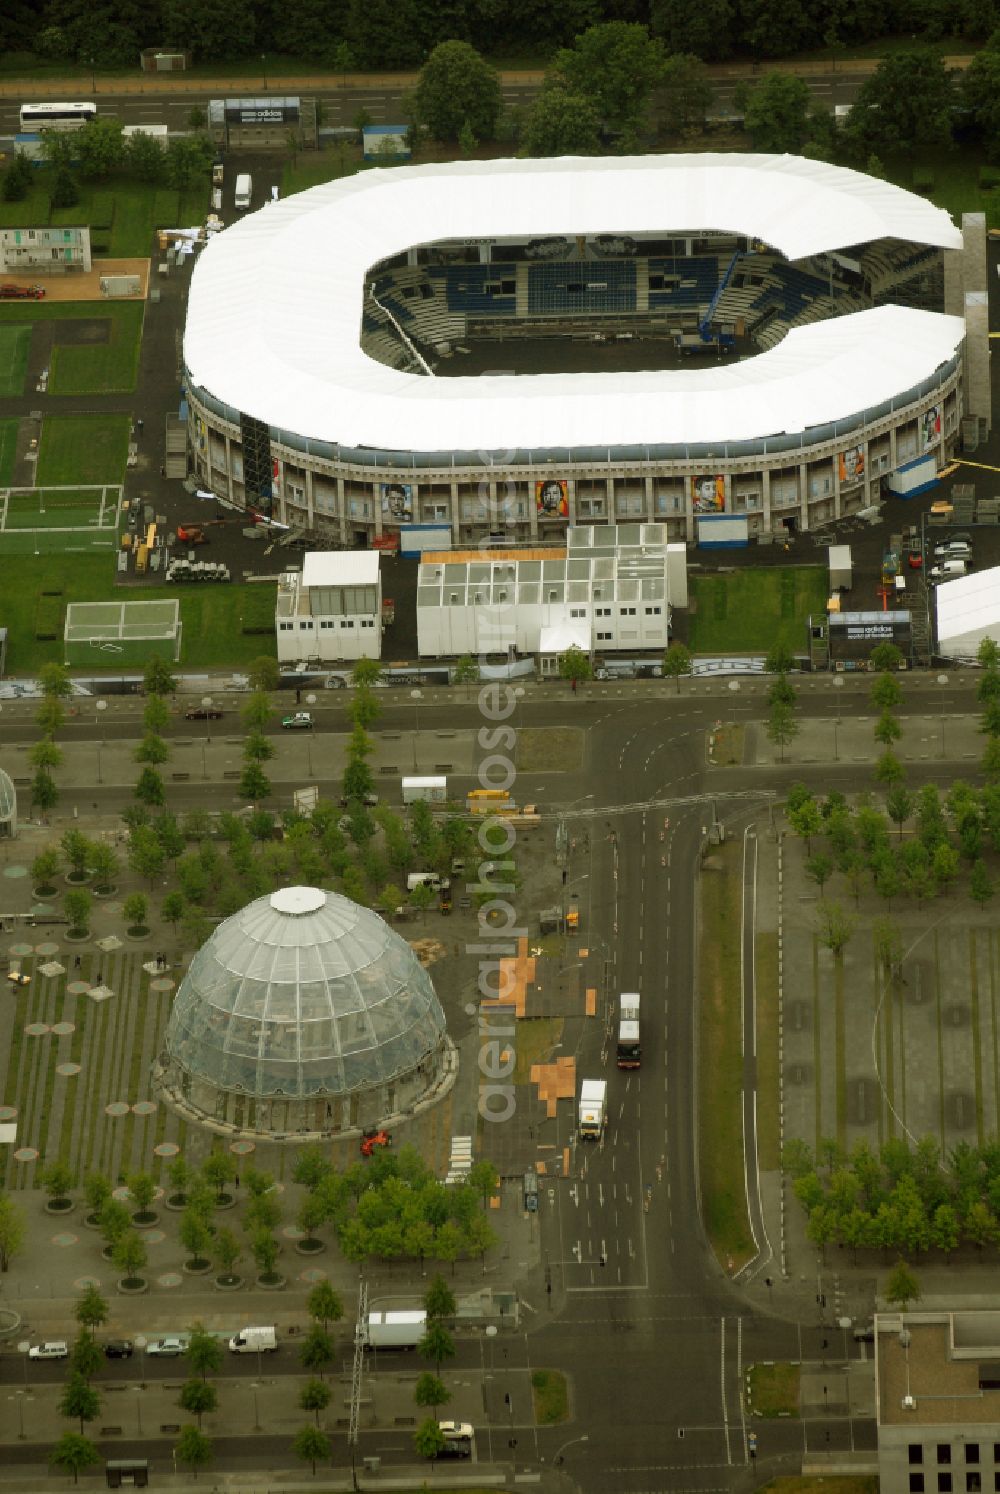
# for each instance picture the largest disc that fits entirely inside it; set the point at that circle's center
(825, 330)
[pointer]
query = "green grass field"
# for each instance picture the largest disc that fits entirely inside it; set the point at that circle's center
(748, 611)
(14, 345)
(57, 521)
(83, 449)
(8, 450)
(211, 615)
(91, 368)
(122, 221)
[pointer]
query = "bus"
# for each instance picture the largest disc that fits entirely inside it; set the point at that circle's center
(629, 1046)
(36, 117)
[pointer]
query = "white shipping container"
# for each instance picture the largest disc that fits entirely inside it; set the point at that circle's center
(430, 790)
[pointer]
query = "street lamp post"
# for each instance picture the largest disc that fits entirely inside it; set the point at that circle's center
(416, 696)
(206, 701)
(838, 684)
(942, 680)
(310, 701)
(256, 1418)
(20, 1395)
(138, 1407)
(102, 706)
(263, 65)
(140, 1343)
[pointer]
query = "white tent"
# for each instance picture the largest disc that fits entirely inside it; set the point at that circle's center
(968, 610)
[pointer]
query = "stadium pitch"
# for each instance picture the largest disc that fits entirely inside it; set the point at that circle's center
(46, 521)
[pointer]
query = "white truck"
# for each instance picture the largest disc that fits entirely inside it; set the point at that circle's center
(593, 1113)
(254, 1341)
(394, 1330)
(428, 790)
(629, 1054)
(244, 190)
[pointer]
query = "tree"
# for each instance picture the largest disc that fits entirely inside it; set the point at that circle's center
(86, 1356)
(256, 711)
(431, 1391)
(196, 1237)
(884, 657)
(115, 1220)
(466, 671)
(227, 1252)
(152, 750)
(901, 1286)
(189, 160)
(146, 856)
(129, 1255)
(155, 712)
(144, 158)
(98, 147)
(315, 1396)
(484, 1179)
(324, 1304)
(76, 848)
(779, 659)
(75, 1454)
(56, 1179)
(834, 928)
(886, 692)
(254, 783)
(889, 771)
(365, 672)
(157, 677)
(980, 884)
(782, 728)
(172, 909)
(45, 754)
(263, 673)
(77, 906)
(439, 1300)
(311, 1445)
(44, 794)
(899, 806)
(18, 178)
(91, 1311)
(428, 1439)
(142, 1187)
(135, 909)
(988, 652)
(309, 1169)
(677, 661)
(193, 1448)
(257, 748)
(887, 727)
(264, 1249)
(80, 1401)
(685, 94)
(617, 65)
(149, 788)
(197, 1397)
(219, 1168)
(806, 821)
(458, 88)
(55, 678)
(574, 665)
(904, 106)
(819, 869)
(888, 947)
(944, 864)
(777, 113)
(44, 868)
(104, 866)
(561, 123)
(316, 1350)
(13, 1230)
(437, 1344)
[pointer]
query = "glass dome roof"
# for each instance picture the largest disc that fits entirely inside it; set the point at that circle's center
(303, 993)
(8, 797)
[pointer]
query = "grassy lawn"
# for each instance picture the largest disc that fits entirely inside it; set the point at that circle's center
(8, 448)
(82, 449)
(804, 1484)
(956, 181)
(312, 167)
(549, 749)
(14, 345)
(720, 1061)
(122, 216)
(534, 1042)
(748, 611)
(211, 616)
(548, 1391)
(774, 1389)
(768, 1146)
(90, 368)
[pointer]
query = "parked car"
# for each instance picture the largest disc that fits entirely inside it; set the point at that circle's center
(950, 569)
(118, 1348)
(865, 1335)
(301, 721)
(203, 713)
(370, 801)
(166, 1348)
(336, 682)
(953, 550)
(457, 1439)
(52, 1349)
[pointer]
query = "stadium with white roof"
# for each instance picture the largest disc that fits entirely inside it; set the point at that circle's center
(759, 338)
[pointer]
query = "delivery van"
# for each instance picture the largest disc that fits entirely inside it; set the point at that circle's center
(244, 190)
(254, 1341)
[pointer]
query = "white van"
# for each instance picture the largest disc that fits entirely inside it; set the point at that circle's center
(949, 570)
(254, 1341)
(244, 190)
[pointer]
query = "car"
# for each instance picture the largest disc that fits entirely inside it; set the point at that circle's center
(203, 713)
(17, 977)
(118, 1348)
(166, 1348)
(950, 569)
(953, 550)
(336, 682)
(915, 560)
(370, 800)
(865, 1335)
(52, 1349)
(301, 721)
(457, 1439)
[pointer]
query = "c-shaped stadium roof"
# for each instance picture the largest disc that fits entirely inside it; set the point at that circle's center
(274, 313)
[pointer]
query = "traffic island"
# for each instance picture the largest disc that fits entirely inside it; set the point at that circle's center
(773, 1389)
(550, 1396)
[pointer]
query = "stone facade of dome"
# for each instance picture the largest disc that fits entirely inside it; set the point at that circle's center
(304, 1014)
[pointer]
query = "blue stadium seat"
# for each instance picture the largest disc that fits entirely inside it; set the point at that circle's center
(581, 286)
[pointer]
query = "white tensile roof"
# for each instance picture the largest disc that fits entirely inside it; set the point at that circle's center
(274, 312)
(340, 568)
(968, 610)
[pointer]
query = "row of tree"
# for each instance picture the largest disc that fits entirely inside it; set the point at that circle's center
(900, 1197)
(99, 151)
(377, 34)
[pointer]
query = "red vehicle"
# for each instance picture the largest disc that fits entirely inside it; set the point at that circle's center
(372, 1139)
(21, 292)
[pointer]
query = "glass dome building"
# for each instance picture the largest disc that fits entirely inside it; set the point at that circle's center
(303, 1014)
(8, 806)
